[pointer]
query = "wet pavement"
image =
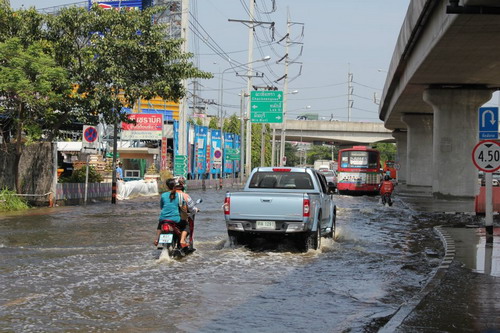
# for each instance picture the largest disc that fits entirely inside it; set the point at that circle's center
(464, 293)
(94, 269)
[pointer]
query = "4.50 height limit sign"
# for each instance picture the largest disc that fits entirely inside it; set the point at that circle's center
(486, 156)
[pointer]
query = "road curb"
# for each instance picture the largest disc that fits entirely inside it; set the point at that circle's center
(406, 309)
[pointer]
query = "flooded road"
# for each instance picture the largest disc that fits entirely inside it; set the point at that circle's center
(94, 268)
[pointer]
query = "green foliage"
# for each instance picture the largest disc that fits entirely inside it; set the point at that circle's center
(257, 144)
(79, 64)
(9, 201)
(214, 123)
(291, 153)
(387, 151)
(79, 175)
(117, 57)
(317, 152)
(33, 85)
(232, 125)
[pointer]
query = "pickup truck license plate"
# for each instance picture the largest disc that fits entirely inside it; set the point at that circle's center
(265, 225)
(166, 238)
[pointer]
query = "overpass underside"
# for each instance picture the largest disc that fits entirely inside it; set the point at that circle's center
(444, 67)
(338, 132)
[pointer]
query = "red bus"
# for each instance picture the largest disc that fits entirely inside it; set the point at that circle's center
(358, 170)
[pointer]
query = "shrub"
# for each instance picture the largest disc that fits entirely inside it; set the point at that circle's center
(9, 201)
(78, 176)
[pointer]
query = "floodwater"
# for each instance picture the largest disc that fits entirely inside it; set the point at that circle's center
(95, 269)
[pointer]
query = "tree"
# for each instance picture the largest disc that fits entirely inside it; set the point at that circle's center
(33, 86)
(232, 125)
(214, 123)
(81, 64)
(116, 57)
(291, 153)
(387, 151)
(317, 152)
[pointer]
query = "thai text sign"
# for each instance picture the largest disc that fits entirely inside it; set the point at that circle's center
(266, 106)
(148, 127)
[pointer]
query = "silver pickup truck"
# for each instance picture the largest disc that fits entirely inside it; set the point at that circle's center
(281, 202)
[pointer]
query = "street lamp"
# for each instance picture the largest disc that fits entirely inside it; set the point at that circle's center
(221, 85)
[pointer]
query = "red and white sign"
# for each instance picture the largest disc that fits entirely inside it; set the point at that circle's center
(90, 137)
(148, 127)
(217, 155)
(486, 156)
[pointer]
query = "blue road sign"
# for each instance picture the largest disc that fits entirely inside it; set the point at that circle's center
(488, 123)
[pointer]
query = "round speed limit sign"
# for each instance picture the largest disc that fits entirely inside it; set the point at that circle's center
(486, 156)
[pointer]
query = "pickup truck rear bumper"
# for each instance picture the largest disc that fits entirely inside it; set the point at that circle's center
(277, 227)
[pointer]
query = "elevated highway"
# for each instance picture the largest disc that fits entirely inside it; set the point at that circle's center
(445, 65)
(340, 132)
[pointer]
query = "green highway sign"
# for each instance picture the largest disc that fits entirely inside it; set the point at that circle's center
(232, 154)
(180, 165)
(266, 106)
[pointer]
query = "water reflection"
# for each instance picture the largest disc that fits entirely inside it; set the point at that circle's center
(475, 252)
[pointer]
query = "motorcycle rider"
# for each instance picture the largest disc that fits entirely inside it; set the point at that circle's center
(187, 206)
(175, 205)
(169, 205)
(386, 187)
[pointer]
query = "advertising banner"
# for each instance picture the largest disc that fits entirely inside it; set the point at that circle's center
(200, 149)
(176, 138)
(216, 151)
(190, 147)
(209, 151)
(148, 127)
(118, 4)
(237, 145)
(228, 143)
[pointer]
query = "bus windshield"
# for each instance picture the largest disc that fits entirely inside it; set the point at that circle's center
(359, 159)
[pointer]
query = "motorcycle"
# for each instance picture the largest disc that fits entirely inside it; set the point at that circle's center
(170, 237)
(386, 199)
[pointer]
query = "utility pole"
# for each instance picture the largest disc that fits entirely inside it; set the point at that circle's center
(350, 91)
(289, 42)
(183, 103)
(285, 94)
(242, 135)
(251, 24)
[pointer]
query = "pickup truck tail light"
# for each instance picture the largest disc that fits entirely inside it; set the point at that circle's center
(306, 208)
(227, 205)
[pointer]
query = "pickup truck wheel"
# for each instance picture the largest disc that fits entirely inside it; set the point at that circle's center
(331, 234)
(311, 241)
(235, 239)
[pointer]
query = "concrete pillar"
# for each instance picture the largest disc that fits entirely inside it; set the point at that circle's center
(401, 155)
(455, 135)
(419, 149)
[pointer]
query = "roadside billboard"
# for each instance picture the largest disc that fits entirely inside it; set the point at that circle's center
(119, 4)
(148, 127)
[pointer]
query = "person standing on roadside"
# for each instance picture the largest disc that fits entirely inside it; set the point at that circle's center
(119, 171)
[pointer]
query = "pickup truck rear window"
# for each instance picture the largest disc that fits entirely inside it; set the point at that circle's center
(283, 180)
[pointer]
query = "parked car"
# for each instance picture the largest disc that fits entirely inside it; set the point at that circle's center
(331, 179)
(281, 202)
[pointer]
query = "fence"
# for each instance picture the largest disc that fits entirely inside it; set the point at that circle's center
(76, 191)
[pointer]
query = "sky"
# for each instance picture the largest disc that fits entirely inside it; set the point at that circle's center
(331, 38)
